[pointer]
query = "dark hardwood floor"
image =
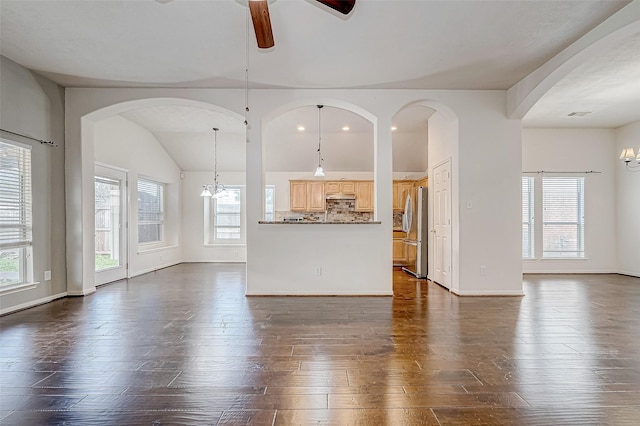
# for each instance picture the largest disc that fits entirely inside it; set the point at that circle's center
(185, 346)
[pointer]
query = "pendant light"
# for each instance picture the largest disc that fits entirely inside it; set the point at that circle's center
(319, 170)
(215, 189)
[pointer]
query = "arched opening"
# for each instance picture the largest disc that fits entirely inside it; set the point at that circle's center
(424, 145)
(144, 163)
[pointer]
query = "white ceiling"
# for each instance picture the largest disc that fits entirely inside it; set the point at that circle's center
(420, 44)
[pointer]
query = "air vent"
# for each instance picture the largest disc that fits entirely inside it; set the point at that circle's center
(578, 113)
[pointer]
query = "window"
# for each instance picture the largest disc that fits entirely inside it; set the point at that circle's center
(527, 218)
(15, 214)
(150, 211)
(226, 215)
(563, 217)
(269, 202)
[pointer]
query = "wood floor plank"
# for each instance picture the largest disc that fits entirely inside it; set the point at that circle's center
(200, 352)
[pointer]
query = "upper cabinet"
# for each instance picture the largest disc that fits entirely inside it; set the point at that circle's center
(306, 196)
(423, 182)
(364, 196)
(340, 187)
(401, 188)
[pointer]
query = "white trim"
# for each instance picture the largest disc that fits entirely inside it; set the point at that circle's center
(315, 293)
(156, 249)
(14, 288)
(510, 293)
(15, 143)
(217, 260)
(84, 292)
(32, 303)
(628, 273)
(155, 268)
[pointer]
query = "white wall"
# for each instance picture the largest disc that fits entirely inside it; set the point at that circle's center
(194, 248)
(121, 143)
(34, 106)
(627, 202)
(286, 260)
(576, 150)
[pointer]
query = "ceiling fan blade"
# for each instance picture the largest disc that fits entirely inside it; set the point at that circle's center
(261, 23)
(342, 6)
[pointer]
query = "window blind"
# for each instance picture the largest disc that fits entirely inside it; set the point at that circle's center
(563, 216)
(15, 196)
(226, 220)
(527, 217)
(150, 210)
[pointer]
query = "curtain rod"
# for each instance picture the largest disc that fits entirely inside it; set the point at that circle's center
(547, 171)
(48, 143)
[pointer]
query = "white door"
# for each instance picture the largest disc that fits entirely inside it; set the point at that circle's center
(111, 258)
(442, 224)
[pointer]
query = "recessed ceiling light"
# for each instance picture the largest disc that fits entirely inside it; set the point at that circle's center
(578, 113)
(301, 128)
(394, 128)
(345, 128)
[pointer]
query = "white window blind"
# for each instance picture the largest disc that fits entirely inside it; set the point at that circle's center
(528, 217)
(269, 202)
(563, 217)
(150, 211)
(226, 214)
(15, 196)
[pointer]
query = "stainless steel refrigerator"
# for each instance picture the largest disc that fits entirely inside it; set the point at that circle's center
(416, 226)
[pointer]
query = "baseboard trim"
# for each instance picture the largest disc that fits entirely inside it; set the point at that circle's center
(513, 293)
(281, 294)
(155, 268)
(215, 261)
(31, 304)
(629, 274)
(84, 292)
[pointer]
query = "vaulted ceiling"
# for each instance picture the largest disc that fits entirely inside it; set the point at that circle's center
(412, 44)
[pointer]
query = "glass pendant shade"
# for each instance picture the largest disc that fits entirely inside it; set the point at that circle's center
(628, 154)
(205, 192)
(319, 171)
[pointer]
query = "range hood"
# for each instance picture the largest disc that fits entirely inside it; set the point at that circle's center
(341, 197)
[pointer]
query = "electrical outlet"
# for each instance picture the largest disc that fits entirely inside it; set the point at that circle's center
(47, 275)
(483, 271)
(318, 271)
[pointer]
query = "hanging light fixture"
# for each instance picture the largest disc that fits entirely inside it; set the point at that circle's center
(214, 189)
(319, 170)
(628, 156)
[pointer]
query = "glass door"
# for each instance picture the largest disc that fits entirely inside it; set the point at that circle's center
(110, 225)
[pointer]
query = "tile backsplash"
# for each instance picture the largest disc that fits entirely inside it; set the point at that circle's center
(397, 219)
(337, 211)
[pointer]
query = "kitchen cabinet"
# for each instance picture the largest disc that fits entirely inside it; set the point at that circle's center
(306, 196)
(342, 187)
(423, 182)
(364, 196)
(297, 196)
(315, 197)
(401, 188)
(399, 254)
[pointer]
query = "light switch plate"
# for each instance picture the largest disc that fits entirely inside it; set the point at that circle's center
(47, 275)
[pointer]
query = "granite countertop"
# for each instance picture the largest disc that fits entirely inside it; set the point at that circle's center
(280, 222)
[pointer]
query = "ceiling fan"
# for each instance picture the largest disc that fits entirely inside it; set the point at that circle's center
(262, 23)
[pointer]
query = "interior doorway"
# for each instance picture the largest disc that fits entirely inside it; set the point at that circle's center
(110, 224)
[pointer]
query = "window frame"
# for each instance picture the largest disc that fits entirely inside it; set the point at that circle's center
(210, 206)
(162, 208)
(23, 228)
(580, 252)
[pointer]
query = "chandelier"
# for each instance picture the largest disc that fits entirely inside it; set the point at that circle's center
(628, 156)
(214, 189)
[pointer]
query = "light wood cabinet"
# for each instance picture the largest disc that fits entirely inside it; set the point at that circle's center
(315, 197)
(341, 187)
(364, 196)
(422, 182)
(298, 196)
(306, 196)
(399, 254)
(401, 188)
